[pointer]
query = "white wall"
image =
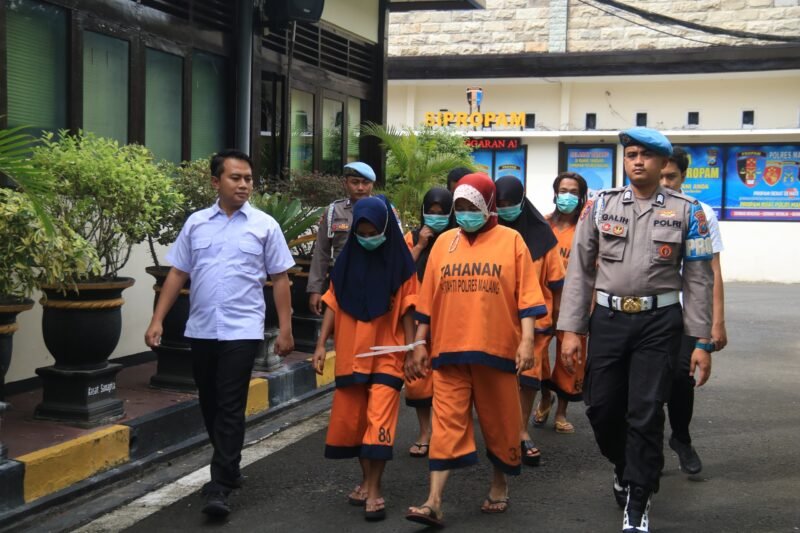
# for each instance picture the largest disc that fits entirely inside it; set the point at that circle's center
(356, 16)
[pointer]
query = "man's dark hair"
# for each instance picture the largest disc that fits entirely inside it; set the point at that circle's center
(583, 189)
(218, 160)
(680, 158)
(456, 174)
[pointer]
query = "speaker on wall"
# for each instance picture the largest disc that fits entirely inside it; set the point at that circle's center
(281, 12)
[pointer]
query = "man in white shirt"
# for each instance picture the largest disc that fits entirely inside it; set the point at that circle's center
(681, 402)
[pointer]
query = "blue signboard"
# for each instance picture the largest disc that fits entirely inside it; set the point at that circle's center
(761, 182)
(509, 163)
(705, 173)
(595, 164)
(483, 160)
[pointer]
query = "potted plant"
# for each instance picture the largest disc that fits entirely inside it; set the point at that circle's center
(192, 180)
(113, 196)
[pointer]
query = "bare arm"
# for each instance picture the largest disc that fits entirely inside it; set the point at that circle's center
(175, 281)
(324, 334)
(525, 356)
(719, 334)
(283, 304)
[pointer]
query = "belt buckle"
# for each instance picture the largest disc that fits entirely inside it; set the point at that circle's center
(631, 304)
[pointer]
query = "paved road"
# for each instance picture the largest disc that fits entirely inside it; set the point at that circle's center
(746, 428)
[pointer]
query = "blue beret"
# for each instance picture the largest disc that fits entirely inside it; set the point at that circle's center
(647, 137)
(361, 169)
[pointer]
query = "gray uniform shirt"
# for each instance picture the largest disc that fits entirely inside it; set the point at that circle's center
(625, 250)
(331, 236)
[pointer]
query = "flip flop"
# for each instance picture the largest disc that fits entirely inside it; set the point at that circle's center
(527, 459)
(488, 502)
(541, 415)
(419, 446)
(357, 502)
(563, 427)
(377, 514)
(432, 518)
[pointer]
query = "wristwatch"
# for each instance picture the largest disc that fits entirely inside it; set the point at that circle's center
(707, 346)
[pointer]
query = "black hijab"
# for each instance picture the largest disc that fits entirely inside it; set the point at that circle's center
(534, 228)
(436, 195)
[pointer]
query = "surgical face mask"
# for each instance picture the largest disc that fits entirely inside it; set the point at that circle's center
(510, 213)
(436, 222)
(566, 202)
(470, 221)
(370, 243)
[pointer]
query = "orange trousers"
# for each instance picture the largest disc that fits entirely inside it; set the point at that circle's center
(419, 392)
(566, 385)
(495, 396)
(540, 372)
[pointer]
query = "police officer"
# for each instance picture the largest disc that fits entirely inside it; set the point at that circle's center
(334, 227)
(629, 248)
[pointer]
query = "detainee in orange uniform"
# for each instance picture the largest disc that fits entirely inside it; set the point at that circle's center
(570, 193)
(370, 303)
(478, 299)
(437, 206)
(518, 213)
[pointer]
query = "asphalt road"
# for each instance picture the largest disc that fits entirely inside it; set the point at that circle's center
(746, 428)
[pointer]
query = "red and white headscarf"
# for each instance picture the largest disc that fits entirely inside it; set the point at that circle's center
(479, 190)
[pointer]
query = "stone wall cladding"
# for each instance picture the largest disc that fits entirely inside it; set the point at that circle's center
(517, 26)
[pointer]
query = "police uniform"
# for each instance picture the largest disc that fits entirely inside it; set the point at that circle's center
(637, 258)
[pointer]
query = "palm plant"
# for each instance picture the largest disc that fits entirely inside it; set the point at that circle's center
(293, 218)
(416, 161)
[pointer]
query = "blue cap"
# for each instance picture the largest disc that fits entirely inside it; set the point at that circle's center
(360, 169)
(647, 137)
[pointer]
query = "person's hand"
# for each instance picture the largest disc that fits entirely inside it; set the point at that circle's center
(315, 303)
(571, 351)
(700, 366)
(525, 357)
(284, 344)
(318, 361)
(417, 365)
(719, 335)
(425, 235)
(152, 336)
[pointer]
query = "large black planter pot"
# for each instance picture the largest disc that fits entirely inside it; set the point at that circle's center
(81, 329)
(9, 309)
(174, 368)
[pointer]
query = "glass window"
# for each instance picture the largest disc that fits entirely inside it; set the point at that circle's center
(332, 129)
(163, 105)
(302, 144)
(36, 38)
(209, 121)
(353, 129)
(105, 86)
(270, 133)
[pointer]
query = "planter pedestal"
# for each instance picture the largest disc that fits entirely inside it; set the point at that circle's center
(84, 398)
(3, 449)
(267, 360)
(306, 332)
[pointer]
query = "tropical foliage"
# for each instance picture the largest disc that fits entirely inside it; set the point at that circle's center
(293, 218)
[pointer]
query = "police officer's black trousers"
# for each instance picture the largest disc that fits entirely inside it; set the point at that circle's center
(629, 373)
(222, 374)
(681, 399)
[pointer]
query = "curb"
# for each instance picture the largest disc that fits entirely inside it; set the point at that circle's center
(46, 477)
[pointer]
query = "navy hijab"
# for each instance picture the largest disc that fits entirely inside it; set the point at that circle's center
(437, 195)
(365, 281)
(531, 224)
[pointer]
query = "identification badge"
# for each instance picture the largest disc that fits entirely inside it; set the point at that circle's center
(342, 226)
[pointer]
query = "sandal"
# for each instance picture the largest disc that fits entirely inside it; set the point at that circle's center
(420, 452)
(541, 415)
(562, 426)
(376, 514)
(354, 498)
(503, 504)
(431, 518)
(531, 456)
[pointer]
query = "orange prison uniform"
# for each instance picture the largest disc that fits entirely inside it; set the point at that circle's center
(366, 401)
(419, 392)
(473, 296)
(551, 274)
(566, 385)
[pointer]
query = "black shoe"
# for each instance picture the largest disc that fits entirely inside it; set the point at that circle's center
(687, 456)
(217, 504)
(637, 509)
(620, 493)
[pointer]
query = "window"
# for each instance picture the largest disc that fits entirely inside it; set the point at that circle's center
(105, 86)
(641, 119)
(693, 118)
(302, 143)
(530, 121)
(163, 105)
(748, 118)
(332, 132)
(209, 123)
(591, 121)
(270, 130)
(36, 39)
(353, 129)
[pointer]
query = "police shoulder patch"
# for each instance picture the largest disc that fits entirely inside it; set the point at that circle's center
(587, 209)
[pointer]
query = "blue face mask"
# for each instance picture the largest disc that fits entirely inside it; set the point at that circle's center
(436, 222)
(470, 221)
(566, 202)
(370, 243)
(510, 213)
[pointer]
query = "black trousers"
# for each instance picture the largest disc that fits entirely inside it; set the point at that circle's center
(629, 374)
(222, 374)
(681, 399)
